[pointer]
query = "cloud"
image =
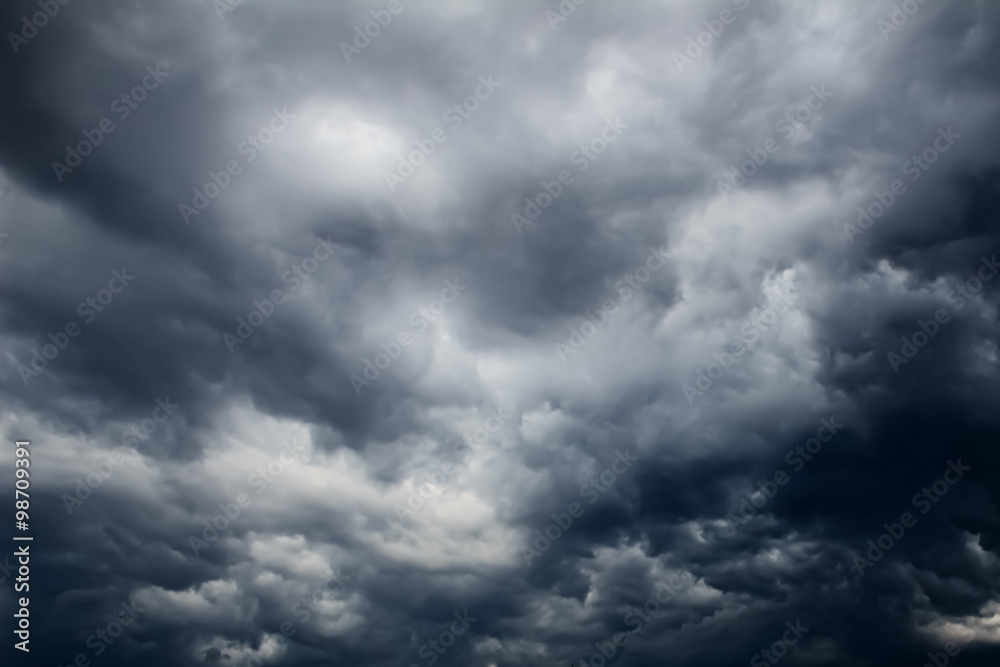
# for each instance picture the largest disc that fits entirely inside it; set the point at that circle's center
(524, 290)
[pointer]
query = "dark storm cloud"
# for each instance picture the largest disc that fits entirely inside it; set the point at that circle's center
(733, 503)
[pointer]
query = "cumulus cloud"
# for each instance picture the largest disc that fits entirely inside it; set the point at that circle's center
(484, 333)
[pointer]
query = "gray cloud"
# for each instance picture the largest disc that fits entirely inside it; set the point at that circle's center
(259, 591)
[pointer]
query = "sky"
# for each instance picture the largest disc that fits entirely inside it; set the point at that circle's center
(500, 334)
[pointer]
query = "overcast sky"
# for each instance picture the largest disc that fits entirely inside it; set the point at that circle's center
(482, 333)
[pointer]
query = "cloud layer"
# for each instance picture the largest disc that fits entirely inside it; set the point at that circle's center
(503, 334)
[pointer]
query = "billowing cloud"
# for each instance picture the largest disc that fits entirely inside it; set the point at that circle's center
(481, 333)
